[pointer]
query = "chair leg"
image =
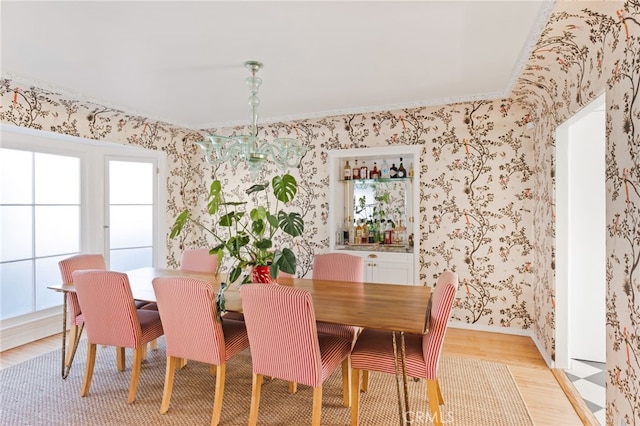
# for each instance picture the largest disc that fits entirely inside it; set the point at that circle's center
(434, 405)
(355, 396)
(255, 399)
(88, 371)
(219, 392)
(120, 359)
(138, 354)
(293, 387)
(346, 382)
(440, 397)
(183, 363)
(154, 345)
(365, 380)
(172, 363)
(317, 406)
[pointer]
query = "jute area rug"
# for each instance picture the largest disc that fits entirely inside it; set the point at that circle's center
(33, 393)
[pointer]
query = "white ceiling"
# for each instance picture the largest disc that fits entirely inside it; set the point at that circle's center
(182, 62)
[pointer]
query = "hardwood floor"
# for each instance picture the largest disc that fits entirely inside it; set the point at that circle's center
(547, 402)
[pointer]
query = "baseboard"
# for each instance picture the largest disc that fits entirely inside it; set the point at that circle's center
(29, 330)
(490, 328)
(506, 330)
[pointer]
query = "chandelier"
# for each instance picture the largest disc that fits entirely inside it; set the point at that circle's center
(284, 152)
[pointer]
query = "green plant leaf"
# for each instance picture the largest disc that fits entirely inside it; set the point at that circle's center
(234, 244)
(291, 223)
(257, 227)
(273, 220)
(257, 188)
(229, 218)
(215, 197)
(285, 260)
(263, 244)
(235, 274)
(181, 220)
(285, 187)
(258, 213)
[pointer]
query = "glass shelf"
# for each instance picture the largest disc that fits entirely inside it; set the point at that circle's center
(377, 180)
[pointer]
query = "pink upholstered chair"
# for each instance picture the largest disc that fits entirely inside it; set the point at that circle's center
(199, 260)
(285, 343)
(198, 336)
(111, 319)
(67, 267)
(339, 267)
(374, 349)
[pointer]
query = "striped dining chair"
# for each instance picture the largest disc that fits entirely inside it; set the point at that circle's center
(111, 319)
(285, 343)
(67, 267)
(198, 260)
(373, 350)
(198, 336)
(338, 267)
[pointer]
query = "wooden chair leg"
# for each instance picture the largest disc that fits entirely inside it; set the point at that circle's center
(434, 403)
(355, 396)
(183, 363)
(440, 397)
(293, 387)
(88, 371)
(365, 380)
(219, 392)
(346, 382)
(154, 345)
(317, 406)
(138, 354)
(255, 399)
(172, 363)
(144, 352)
(121, 361)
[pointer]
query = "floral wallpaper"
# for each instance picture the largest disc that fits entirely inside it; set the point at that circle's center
(487, 178)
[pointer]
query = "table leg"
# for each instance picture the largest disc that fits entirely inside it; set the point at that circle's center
(401, 410)
(67, 368)
(64, 333)
(403, 360)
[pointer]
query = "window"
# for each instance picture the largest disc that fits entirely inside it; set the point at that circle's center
(60, 196)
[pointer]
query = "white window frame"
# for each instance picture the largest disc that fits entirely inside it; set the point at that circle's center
(93, 154)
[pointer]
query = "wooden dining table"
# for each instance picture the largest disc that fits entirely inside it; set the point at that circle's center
(397, 308)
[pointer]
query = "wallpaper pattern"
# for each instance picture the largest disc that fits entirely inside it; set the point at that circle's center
(486, 177)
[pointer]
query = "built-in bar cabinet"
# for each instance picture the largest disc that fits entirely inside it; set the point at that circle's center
(373, 205)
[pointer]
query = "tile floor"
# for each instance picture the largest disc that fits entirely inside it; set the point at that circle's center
(589, 378)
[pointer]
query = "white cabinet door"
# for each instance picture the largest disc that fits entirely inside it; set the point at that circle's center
(386, 268)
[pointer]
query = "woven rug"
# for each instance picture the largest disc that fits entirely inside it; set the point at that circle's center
(33, 393)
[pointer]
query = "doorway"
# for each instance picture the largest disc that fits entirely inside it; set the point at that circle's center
(580, 236)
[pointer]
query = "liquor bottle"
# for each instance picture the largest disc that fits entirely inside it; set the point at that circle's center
(352, 233)
(374, 173)
(358, 233)
(347, 171)
(410, 170)
(393, 173)
(365, 233)
(356, 171)
(384, 172)
(402, 173)
(364, 171)
(345, 228)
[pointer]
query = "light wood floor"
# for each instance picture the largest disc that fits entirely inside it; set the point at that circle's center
(545, 398)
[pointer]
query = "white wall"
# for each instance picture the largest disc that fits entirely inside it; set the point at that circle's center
(580, 236)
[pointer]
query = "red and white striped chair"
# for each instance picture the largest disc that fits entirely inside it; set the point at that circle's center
(198, 336)
(338, 267)
(67, 267)
(275, 315)
(373, 350)
(199, 260)
(111, 319)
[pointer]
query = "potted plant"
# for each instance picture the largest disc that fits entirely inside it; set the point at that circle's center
(247, 239)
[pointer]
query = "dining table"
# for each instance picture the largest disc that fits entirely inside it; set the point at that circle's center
(398, 308)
